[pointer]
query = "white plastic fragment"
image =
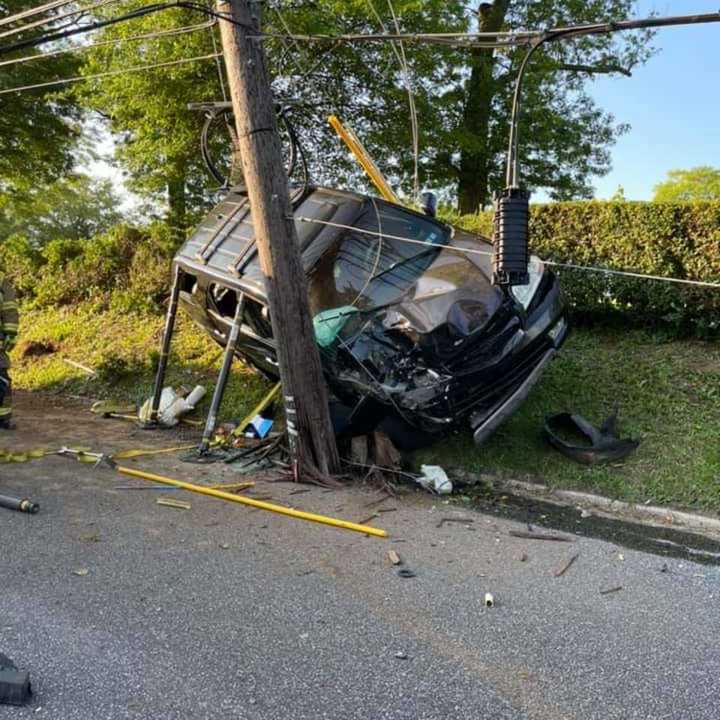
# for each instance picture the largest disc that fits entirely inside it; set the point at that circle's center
(489, 600)
(172, 406)
(434, 478)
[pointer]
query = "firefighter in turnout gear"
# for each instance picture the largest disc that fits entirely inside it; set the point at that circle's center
(9, 319)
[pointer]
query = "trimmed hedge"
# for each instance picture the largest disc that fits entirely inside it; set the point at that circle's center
(670, 240)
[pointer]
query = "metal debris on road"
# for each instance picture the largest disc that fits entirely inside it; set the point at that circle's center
(560, 572)
(611, 590)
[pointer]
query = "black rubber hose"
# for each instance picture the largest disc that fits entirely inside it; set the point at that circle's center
(19, 504)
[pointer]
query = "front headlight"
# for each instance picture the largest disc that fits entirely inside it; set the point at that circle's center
(525, 293)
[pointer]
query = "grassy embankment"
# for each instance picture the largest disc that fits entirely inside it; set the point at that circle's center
(668, 394)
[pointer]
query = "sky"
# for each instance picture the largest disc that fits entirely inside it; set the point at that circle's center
(672, 104)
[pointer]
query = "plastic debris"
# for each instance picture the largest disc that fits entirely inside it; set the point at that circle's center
(172, 406)
(489, 600)
(14, 684)
(589, 445)
(258, 427)
(81, 572)
(435, 479)
(394, 558)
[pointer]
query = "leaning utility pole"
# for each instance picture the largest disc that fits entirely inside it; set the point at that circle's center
(310, 433)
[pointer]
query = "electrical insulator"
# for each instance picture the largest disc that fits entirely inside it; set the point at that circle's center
(510, 237)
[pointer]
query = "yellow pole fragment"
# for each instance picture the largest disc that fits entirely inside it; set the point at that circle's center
(363, 157)
(260, 504)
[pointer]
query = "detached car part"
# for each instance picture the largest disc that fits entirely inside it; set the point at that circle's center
(601, 445)
(415, 339)
(14, 684)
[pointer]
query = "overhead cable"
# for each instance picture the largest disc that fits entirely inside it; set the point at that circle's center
(116, 41)
(55, 18)
(34, 11)
(472, 251)
(134, 14)
(109, 73)
(399, 51)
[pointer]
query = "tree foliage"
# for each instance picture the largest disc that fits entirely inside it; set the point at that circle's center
(74, 207)
(38, 128)
(700, 183)
(148, 111)
(462, 95)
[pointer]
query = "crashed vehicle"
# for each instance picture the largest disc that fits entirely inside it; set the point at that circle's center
(415, 339)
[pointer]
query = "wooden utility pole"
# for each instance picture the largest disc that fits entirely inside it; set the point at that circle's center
(310, 432)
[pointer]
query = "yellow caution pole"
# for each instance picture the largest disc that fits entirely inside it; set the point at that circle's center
(260, 504)
(363, 157)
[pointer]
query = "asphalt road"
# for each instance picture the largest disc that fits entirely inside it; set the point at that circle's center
(224, 612)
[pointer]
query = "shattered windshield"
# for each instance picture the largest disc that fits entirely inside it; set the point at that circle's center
(376, 268)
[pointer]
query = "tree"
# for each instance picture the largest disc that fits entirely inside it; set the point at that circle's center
(38, 128)
(700, 183)
(74, 207)
(147, 111)
(462, 95)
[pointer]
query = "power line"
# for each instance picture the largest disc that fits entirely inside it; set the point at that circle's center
(117, 41)
(34, 11)
(109, 73)
(486, 253)
(137, 13)
(55, 18)
(399, 51)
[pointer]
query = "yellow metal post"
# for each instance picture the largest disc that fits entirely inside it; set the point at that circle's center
(260, 504)
(363, 157)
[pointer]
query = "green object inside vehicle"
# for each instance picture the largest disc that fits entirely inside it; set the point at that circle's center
(328, 324)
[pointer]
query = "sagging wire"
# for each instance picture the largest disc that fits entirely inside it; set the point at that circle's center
(399, 51)
(109, 73)
(218, 64)
(117, 41)
(555, 263)
(377, 256)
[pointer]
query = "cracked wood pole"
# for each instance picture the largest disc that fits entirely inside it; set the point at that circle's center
(310, 433)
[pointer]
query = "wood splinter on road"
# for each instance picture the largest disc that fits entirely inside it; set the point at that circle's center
(567, 565)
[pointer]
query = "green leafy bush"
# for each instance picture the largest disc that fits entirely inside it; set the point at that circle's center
(125, 269)
(670, 240)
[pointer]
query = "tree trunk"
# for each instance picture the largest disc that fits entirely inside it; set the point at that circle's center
(473, 183)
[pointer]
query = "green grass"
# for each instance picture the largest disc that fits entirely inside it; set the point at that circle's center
(123, 350)
(668, 394)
